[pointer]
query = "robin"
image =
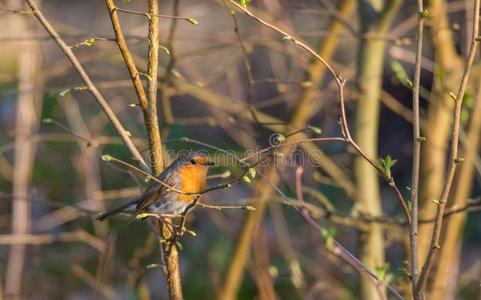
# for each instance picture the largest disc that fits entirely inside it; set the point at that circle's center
(187, 173)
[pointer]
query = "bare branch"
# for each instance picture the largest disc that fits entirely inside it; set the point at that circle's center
(88, 82)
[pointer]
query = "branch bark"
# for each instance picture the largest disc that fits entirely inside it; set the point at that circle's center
(169, 249)
(413, 228)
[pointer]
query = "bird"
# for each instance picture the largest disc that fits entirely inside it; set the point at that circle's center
(187, 173)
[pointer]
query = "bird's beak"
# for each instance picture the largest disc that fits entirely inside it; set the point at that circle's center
(210, 163)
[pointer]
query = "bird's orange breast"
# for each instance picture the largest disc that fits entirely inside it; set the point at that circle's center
(192, 181)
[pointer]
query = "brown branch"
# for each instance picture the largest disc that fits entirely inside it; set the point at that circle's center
(152, 123)
(148, 107)
(360, 151)
(413, 228)
(88, 82)
(124, 50)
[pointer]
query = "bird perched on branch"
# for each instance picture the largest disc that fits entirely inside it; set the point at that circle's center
(186, 174)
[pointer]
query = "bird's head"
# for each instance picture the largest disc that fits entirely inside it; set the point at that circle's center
(198, 158)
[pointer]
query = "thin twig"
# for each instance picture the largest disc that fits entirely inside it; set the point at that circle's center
(360, 151)
(150, 15)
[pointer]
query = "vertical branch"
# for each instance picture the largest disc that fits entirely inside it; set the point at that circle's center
(413, 228)
(439, 118)
(30, 95)
(150, 116)
(151, 121)
(169, 250)
(453, 159)
(124, 50)
(442, 287)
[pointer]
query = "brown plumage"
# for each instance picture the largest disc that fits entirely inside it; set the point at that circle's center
(187, 174)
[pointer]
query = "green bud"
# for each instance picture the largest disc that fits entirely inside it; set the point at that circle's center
(165, 49)
(424, 13)
(64, 92)
(106, 157)
(152, 266)
(314, 129)
(252, 172)
(458, 160)
(453, 96)
(409, 83)
(193, 21)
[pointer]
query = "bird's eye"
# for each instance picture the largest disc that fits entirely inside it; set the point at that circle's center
(192, 161)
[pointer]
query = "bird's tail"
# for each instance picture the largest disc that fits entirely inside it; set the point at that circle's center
(112, 212)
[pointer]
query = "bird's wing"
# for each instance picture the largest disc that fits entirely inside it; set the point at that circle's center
(155, 192)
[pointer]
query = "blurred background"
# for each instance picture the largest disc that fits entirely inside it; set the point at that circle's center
(232, 83)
